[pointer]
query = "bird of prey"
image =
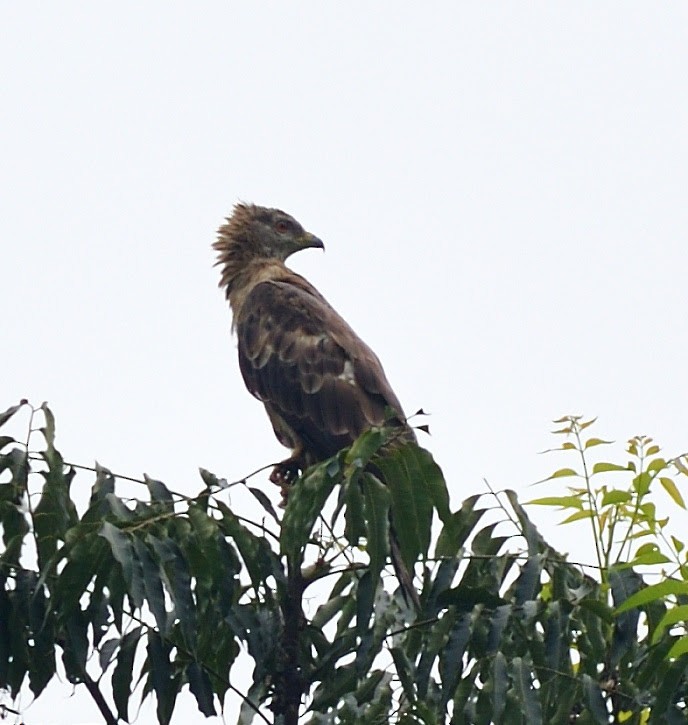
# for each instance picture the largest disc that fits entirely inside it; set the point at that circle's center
(321, 385)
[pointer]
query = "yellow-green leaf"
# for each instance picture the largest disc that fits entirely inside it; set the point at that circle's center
(678, 544)
(563, 501)
(657, 464)
(596, 442)
(671, 617)
(562, 473)
(652, 450)
(671, 488)
(604, 467)
(680, 648)
(615, 497)
(577, 516)
(652, 593)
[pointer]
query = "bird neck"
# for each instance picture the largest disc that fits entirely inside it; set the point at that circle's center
(239, 280)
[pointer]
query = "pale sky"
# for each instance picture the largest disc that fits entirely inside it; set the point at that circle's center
(501, 189)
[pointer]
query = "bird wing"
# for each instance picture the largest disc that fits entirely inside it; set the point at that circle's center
(321, 384)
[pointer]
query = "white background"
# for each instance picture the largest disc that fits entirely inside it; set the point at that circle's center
(501, 189)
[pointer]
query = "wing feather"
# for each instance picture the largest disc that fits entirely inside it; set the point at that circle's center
(310, 369)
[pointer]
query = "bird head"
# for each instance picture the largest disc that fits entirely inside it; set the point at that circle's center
(256, 232)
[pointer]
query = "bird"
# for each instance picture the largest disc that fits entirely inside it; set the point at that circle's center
(321, 385)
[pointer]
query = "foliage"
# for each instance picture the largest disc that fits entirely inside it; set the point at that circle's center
(164, 593)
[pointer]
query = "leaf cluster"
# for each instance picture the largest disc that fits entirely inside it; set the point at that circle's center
(165, 592)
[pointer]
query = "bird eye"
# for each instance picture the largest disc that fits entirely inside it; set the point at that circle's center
(282, 226)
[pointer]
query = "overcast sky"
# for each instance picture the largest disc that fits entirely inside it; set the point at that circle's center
(501, 189)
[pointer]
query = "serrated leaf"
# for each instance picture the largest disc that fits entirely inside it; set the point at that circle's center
(671, 488)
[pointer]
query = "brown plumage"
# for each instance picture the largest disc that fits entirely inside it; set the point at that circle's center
(321, 385)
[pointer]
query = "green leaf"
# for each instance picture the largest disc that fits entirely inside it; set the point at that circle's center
(413, 480)
(595, 442)
(671, 488)
(641, 483)
(525, 691)
(657, 464)
(561, 473)
(563, 501)
(55, 512)
(615, 496)
(671, 617)
(123, 552)
(152, 584)
(577, 517)
(604, 467)
(451, 657)
(654, 592)
(377, 503)
(458, 528)
(365, 447)
(648, 559)
(161, 676)
(405, 672)
(594, 700)
(159, 492)
(49, 429)
(261, 562)
(199, 684)
(679, 648)
(179, 580)
(306, 500)
(7, 414)
(500, 684)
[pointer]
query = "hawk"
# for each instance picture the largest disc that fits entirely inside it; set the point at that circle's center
(321, 385)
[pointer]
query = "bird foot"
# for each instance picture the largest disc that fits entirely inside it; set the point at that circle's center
(283, 475)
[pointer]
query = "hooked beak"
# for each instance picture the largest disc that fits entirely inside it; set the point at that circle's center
(310, 240)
